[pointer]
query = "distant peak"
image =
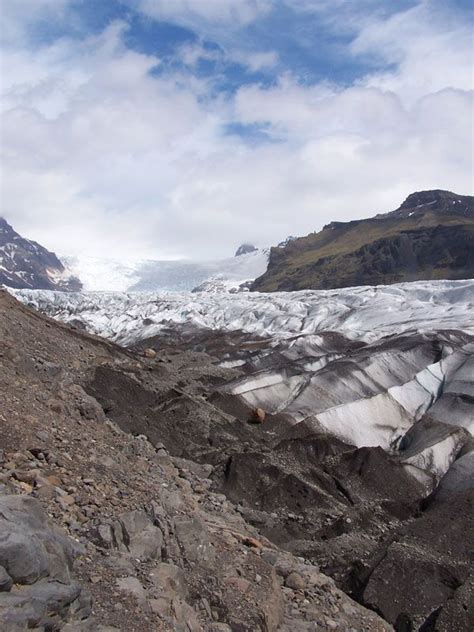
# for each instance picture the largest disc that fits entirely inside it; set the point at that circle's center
(244, 249)
(4, 225)
(427, 197)
(436, 201)
(286, 241)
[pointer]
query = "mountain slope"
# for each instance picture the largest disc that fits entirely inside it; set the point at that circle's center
(26, 264)
(430, 236)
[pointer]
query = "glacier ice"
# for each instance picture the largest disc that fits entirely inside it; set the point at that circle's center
(123, 275)
(389, 366)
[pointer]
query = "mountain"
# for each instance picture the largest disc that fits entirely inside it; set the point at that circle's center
(430, 236)
(127, 275)
(26, 264)
(244, 249)
(338, 423)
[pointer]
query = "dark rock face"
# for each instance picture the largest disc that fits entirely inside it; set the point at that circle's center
(431, 236)
(244, 249)
(26, 264)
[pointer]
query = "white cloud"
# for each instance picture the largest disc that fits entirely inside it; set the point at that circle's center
(257, 61)
(191, 54)
(103, 156)
(429, 49)
(218, 20)
(191, 12)
(18, 16)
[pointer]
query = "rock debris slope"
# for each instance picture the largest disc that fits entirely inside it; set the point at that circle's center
(104, 529)
(339, 423)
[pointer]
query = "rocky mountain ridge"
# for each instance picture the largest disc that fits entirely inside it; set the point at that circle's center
(27, 264)
(430, 236)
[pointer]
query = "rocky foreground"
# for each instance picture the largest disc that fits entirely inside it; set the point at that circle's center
(104, 529)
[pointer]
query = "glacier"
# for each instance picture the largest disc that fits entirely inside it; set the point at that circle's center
(138, 275)
(362, 313)
(388, 366)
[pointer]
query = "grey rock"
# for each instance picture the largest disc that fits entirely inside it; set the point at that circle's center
(35, 562)
(193, 539)
(134, 533)
(105, 536)
(132, 586)
(170, 579)
(141, 538)
(41, 604)
(177, 611)
(31, 548)
(295, 581)
(5, 580)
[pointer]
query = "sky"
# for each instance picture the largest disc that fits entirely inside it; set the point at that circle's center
(166, 129)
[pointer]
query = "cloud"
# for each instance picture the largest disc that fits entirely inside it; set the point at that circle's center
(109, 151)
(428, 48)
(192, 54)
(233, 13)
(220, 21)
(19, 16)
(257, 61)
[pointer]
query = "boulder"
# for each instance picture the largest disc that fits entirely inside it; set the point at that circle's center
(132, 586)
(36, 588)
(6, 581)
(169, 579)
(134, 533)
(30, 547)
(258, 416)
(295, 581)
(193, 540)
